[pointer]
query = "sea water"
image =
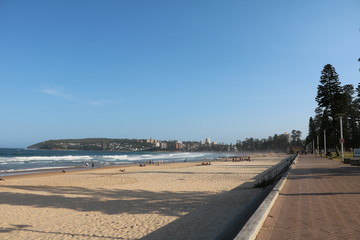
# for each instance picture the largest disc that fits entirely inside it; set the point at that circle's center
(15, 161)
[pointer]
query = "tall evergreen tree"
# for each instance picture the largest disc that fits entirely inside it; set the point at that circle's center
(334, 100)
(330, 98)
(312, 131)
(356, 120)
(349, 111)
(295, 138)
(329, 91)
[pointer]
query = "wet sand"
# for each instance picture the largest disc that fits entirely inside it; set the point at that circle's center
(169, 201)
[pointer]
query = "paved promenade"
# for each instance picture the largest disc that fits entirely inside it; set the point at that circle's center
(320, 200)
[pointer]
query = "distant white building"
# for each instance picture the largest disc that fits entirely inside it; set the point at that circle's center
(288, 135)
(207, 141)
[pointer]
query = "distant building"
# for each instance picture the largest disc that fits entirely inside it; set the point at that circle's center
(207, 141)
(178, 145)
(163, 145)
(288, 135)
(153, 141)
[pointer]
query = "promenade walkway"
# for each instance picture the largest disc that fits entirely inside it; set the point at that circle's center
(320, 200)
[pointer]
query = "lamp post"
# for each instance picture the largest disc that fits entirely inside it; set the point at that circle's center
(317, 145)
(341, 138)
(313, 147)
(325, 142)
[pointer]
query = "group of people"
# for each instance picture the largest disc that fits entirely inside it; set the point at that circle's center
(87, 165)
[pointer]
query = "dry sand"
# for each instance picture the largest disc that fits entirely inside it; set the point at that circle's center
(170, 201)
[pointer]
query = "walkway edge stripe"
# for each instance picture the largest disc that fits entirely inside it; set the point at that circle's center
(253, 226)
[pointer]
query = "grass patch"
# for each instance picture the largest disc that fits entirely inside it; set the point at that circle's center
(338, 158)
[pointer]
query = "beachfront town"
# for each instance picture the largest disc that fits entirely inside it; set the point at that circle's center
(280, 142)
(104, 144)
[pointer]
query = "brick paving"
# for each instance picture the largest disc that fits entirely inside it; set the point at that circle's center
(320, 200)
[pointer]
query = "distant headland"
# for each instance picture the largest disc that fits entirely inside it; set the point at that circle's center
(131, 145)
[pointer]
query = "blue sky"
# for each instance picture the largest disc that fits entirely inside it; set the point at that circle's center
(182, 70)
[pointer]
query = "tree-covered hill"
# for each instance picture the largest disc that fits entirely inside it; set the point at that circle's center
(99, 144)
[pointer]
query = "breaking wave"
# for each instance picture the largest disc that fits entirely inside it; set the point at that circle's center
(24, 160)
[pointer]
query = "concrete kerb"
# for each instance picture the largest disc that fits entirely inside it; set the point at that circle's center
(254, 224)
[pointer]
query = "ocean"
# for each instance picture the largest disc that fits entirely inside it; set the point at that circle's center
(18, 161)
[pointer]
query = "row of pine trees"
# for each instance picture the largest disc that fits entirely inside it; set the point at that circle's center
(277, 143)
(335, 101)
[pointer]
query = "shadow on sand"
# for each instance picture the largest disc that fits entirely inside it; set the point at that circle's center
(198, 223)
(25, 229)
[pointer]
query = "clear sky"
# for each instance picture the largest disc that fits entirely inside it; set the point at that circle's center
(168, 69)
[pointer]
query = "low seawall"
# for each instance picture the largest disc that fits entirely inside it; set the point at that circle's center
(254, 224)
(250, 218)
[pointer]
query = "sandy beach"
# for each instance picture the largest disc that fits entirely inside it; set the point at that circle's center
(169, 201)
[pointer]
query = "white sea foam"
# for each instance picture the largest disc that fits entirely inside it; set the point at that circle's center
(120, 157)
(46, 158)
(144, 157)
(101, 158)
(33, 169)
